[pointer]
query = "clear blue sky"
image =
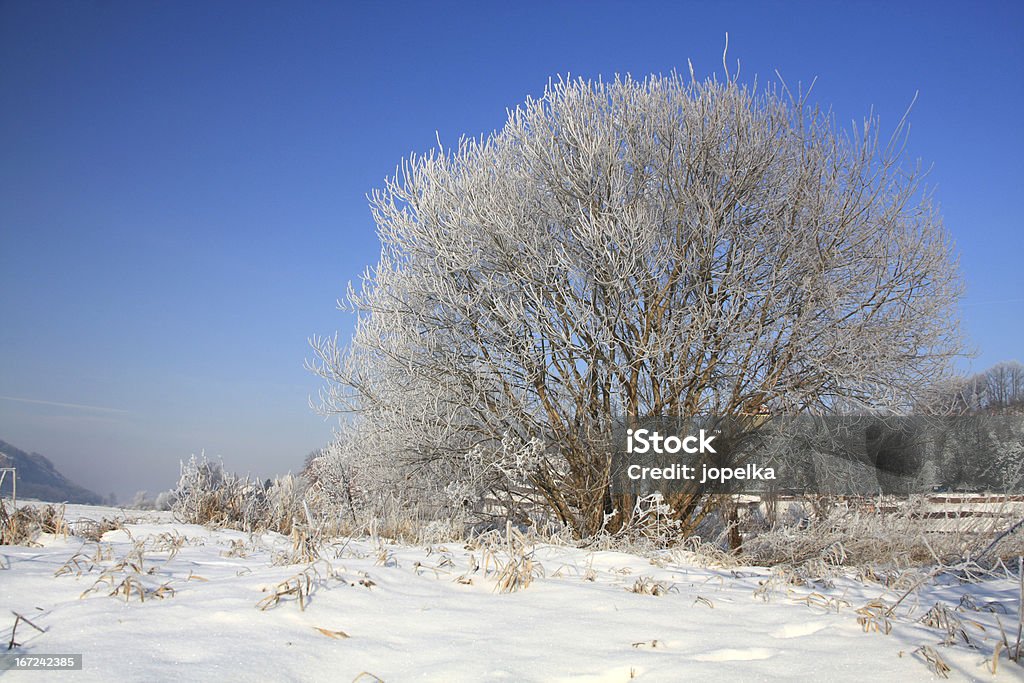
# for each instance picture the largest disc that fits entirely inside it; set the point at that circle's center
(182, 184)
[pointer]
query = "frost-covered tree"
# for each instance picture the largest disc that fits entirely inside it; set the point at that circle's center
(1004, 385)
(665, 247)
(997, 389)
(141, 501)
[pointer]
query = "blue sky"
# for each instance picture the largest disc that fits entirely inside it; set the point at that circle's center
(182, 184)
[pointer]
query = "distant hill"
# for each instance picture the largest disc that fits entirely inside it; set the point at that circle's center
(38, 478)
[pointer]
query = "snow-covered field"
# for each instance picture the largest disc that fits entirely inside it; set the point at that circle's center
(396, 612)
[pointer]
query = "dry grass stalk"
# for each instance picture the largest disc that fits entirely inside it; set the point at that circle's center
(83, 563)
(826, 602)
(238, 548)
(170, 542)
(954, 627)
(517, 574)
(519, 570)
(301, 586)
(645, 585)
(132, 585)
(994, 661)
(933, 660)
(967, 603)
(785, 576)
(370, 678)
(645, 643)
(129, 576)
(305, 545)
(874, 617)
(420, 568)
(337, 635)
(385, 557)
(77, 564)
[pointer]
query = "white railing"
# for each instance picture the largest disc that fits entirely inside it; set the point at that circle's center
(14, 483)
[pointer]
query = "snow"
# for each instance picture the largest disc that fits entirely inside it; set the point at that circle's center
(422, 613)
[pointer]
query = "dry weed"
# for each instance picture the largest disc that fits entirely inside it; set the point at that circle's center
(22, 526)
(91, 530)
(874, 617)
(301, 586)
(953, 626)
(933, 660)
(83, 563)
(645, 585)
(516, 572)
(238, 548)
(128, 576)
(170, 542)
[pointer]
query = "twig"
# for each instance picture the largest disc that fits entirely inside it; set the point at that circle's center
(910, 590)
(18, 619)
(1020, 608)
(999, 538)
